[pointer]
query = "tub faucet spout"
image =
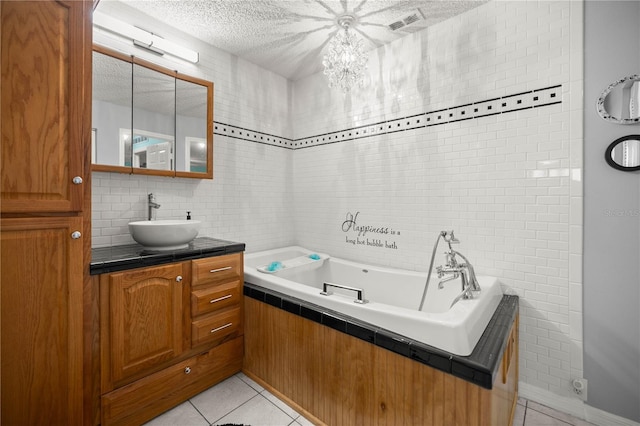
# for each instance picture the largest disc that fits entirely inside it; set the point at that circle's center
(457, 270)
(464, 270)
(471, 274)
(455, 274)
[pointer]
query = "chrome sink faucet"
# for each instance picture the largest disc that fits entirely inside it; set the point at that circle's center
(152, 205)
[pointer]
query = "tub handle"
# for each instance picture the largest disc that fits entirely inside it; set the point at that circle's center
(360, 292)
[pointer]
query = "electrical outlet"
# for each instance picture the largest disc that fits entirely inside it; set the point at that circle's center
(580, 388)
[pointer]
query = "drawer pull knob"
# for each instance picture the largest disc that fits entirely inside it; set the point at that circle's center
(226, 268)
(187, 370)
(220, 298)
(221, 327)
(77, 180)
(75, 235)
(179, 278)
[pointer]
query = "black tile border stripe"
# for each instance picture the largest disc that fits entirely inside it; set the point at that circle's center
(248, 135)
(536, 98)
(479, 368)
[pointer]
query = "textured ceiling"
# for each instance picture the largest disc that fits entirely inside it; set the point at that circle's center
(289, 36)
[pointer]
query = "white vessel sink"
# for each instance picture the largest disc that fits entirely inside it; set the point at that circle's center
(164, 234)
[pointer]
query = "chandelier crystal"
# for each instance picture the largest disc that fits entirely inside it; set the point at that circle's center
(345, 61)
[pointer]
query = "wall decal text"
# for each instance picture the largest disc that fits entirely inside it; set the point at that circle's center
(368, 235)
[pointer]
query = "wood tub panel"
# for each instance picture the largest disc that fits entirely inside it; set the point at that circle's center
(336, 379)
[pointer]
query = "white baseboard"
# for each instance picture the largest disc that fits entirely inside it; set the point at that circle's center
(572, 406)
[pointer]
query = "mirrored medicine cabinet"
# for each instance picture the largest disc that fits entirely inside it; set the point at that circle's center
(149, 120)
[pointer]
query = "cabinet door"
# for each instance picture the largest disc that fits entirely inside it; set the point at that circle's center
(41, 321)
(145, 318)
(43, 51)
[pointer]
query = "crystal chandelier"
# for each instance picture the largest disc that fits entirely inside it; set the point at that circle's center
(345, 61)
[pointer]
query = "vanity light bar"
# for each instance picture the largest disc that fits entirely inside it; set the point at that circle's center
(144, 39)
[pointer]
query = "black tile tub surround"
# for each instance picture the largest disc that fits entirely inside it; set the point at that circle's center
(130, 256)
(479, 368)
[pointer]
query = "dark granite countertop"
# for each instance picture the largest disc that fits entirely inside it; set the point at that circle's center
(479, 368)
(119, 258)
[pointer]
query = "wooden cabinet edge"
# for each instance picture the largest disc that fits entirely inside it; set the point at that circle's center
(504, 395)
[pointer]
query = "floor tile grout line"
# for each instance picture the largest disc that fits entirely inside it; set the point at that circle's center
(263, 390)
(293, 418)
(571, 423)
(253, 397)
(522, 402)
(266, 390)
(196, 408)
(249, 384)
(234, 409)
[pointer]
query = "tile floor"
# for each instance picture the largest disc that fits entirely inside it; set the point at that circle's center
(237, 400)
(240, 400)
(529, 413)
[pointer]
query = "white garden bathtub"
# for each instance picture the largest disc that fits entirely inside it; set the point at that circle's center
(393, 294)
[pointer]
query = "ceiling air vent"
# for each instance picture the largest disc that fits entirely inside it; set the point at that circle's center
(407, 20)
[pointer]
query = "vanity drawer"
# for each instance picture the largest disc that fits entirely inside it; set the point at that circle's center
(216, 326)
(144, 399)
(209, 299)
(217, 269)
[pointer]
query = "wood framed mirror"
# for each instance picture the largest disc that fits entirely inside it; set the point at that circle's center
(149, 120)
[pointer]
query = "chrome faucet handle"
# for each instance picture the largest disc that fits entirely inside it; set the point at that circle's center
(450, 257)
(440, 271)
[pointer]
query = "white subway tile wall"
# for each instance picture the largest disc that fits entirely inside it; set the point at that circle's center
(508, 183)
(249, 200)
(496, 156)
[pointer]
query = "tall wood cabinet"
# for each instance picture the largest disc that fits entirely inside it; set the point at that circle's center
(45, 123)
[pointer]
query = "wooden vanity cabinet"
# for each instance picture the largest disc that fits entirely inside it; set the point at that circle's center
(168, 332)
